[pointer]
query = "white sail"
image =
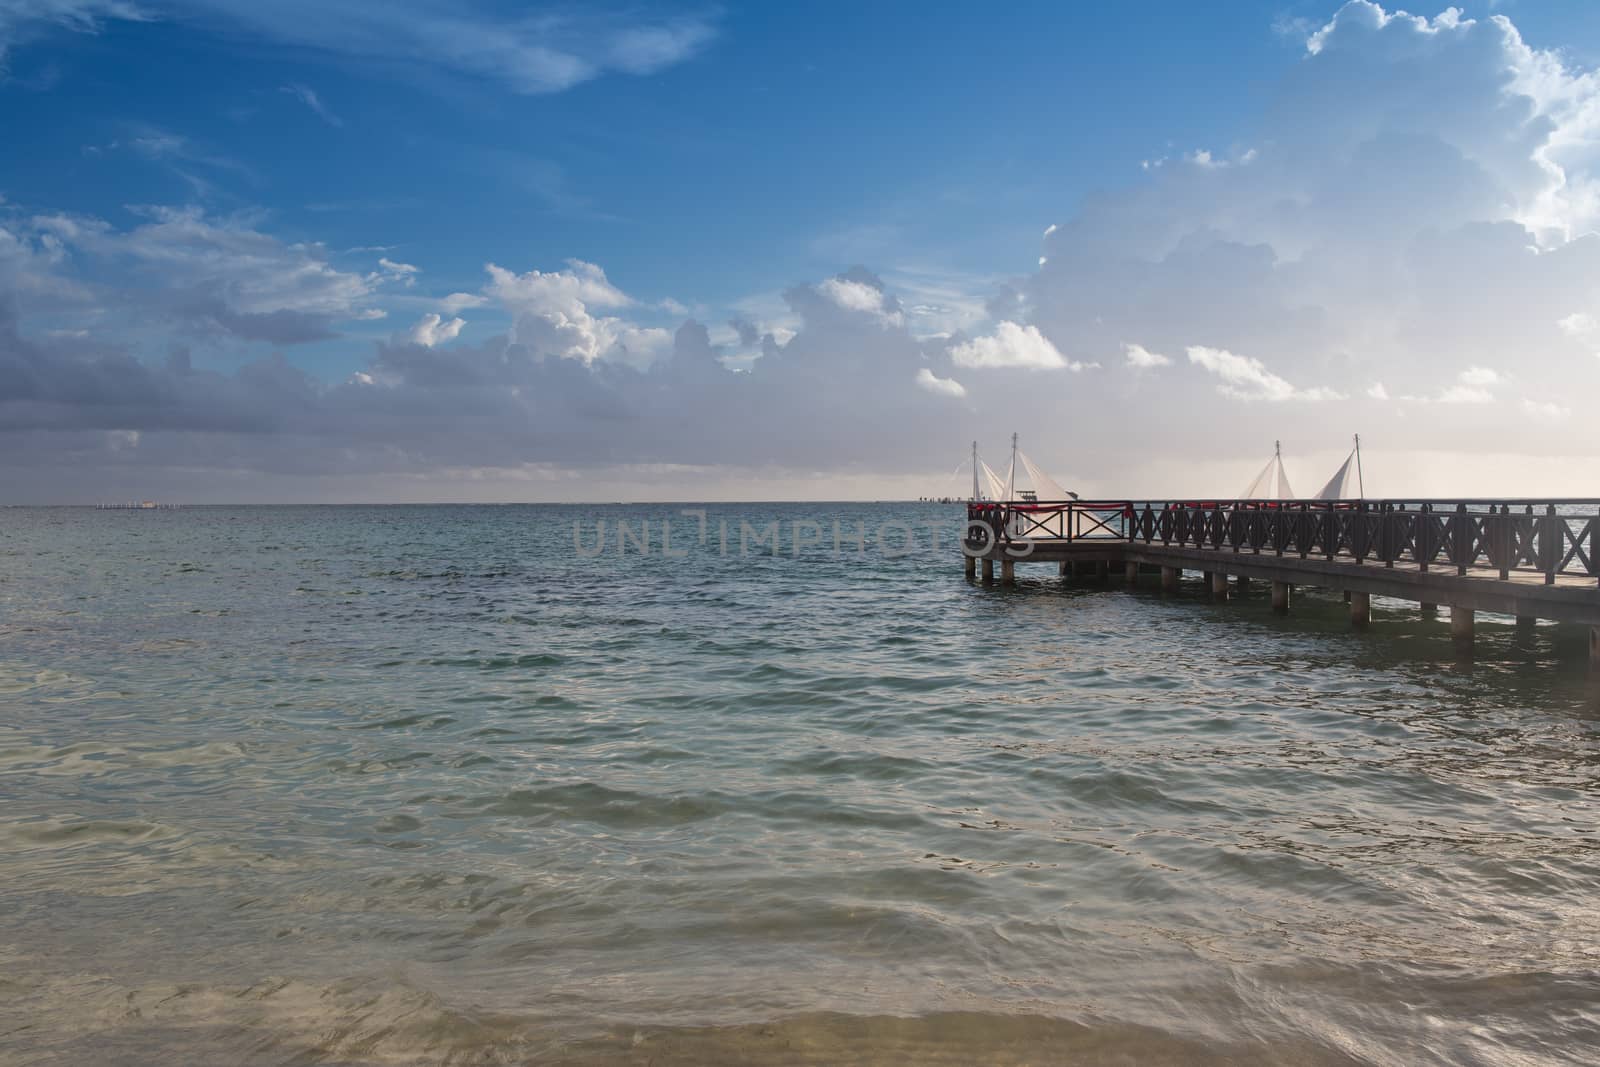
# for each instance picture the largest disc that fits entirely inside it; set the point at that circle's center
(992, 483)
(1346, 483)
(1044, 486)
(1342, 486)
(1272, 483)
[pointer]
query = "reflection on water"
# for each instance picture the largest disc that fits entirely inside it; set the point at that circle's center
(392, 785)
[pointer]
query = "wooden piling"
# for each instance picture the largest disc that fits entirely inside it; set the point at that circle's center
(1462, 626)
(971, 565)
(1429, 611)
(1594, 648)
(1360, 610)
(1169, 579)
(1131, 572)
(1064, 569)
(1219, 585)
(1281, 592)
(1008, 572)
(988, 570)
(1241, 585)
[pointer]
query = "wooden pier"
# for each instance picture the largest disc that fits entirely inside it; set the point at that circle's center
(1532, 559)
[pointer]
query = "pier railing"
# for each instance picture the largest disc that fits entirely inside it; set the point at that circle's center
(1548, 537)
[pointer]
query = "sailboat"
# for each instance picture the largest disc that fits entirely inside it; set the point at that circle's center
(1273, 481)
(989, 487)
(1045, 488)
(1346, 478)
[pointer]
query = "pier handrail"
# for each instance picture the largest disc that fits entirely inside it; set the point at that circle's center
(1546, 536)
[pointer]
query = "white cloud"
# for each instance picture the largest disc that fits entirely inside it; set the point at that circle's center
(221, 273)
(431, 330)
(1579, 324)
(308, 96)
(1377, 392)
(1545, 410)
(859, 296)
(1142, 358)
(1247, 378)
(404, 273)
(1012, 345)
(553, 315)
(1472, 386)
(529, 53)
(20, 20)
(926, 379)
(461, 301)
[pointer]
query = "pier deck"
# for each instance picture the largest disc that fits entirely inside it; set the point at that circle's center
(1530, 559)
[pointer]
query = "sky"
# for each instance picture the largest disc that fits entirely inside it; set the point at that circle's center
(428, 251)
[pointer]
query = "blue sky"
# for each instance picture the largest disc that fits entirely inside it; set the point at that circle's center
(794, 141)
(334, 172)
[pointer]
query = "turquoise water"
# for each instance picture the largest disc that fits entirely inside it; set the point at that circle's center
(426, 785)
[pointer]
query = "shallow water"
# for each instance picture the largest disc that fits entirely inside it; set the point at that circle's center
(396, 785)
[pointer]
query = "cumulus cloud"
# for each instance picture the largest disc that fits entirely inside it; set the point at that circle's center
(866, 297)
(431, 330)
(553, 313)
(1247, 378)
(930, 381)
(1141, 358)
(1012, 345)
(1474, 385)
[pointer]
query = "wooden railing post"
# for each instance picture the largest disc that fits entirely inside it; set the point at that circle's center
(1500, 540)
(1551, 542)
(1464, 532)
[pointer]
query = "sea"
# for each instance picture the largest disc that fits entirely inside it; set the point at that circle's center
(526, 785)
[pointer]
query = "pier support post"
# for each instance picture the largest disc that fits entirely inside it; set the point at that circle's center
(988, 570)
(1219, 585)
(1241, 585)
(1462, 625)
(1064, 569)
(1008, 572)
(1131, 572)
(1347, 596)
(1102, 570)
(1429, 611)
(1360, 610)
(1169, 579)
(971, 565)
(1526, 625)
(1594, 648)
(1280, 597)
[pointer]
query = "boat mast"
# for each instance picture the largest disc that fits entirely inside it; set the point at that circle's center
(1011, 482)
(1360, 481)
(975, 496)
